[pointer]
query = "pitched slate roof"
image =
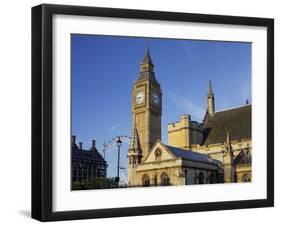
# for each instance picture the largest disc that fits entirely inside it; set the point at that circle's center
(190, 155)
(147, 58)
(236, 121)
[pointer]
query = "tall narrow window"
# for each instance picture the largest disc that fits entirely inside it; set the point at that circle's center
(145, 181)
(165, 180)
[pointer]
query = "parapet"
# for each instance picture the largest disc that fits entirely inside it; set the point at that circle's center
(185, 122)
(185, 116)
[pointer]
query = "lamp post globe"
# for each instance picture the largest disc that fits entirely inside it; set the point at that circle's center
(119, 142)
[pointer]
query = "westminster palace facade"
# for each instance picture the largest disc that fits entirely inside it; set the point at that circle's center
(216, 150)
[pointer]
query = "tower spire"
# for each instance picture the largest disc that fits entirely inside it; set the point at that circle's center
(210, 90)
(147, 58)
(147, 67)
(210, 100)
(135, 143)
(134, 156)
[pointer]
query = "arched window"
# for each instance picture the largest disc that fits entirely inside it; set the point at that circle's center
(201, 178)
(145, 181)
(246, 177)
(165, 180)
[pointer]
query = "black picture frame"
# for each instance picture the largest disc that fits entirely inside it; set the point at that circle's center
(42, 111)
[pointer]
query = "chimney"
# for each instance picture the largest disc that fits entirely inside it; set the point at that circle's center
(247, 102)
(80, 145)
(73, 138)
(93, 143)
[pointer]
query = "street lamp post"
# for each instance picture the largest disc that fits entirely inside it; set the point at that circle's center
(119, 142)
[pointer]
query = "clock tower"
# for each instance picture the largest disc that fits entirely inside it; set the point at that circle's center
(146, 115)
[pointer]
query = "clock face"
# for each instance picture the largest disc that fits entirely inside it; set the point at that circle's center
(155, 98)
(140, 98)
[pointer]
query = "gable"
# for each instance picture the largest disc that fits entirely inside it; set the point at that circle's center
(159, 153)
(244, 157)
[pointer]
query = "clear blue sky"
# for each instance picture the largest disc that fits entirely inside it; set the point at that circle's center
(105, 67)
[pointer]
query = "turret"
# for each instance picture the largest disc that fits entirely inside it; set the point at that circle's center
(134, 157)
(185, 133)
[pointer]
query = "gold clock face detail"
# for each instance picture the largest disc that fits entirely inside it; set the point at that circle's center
(139, 98)
(155, 98)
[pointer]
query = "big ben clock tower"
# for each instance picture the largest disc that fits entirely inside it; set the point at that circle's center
(146, 115)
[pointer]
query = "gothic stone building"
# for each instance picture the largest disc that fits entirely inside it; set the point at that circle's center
(217, 150)
(87, 164)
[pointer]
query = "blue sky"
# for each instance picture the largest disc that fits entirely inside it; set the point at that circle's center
(105, 67)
